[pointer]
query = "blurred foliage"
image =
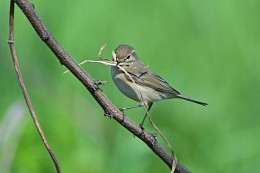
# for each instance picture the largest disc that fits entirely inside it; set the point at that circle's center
(208, 50)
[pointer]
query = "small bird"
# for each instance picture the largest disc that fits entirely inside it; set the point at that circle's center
(141, 84)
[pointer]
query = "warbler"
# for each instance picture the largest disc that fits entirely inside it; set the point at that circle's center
(140, 83)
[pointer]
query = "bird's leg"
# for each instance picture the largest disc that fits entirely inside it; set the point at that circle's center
(108, 115)
(130, 107)
(98, 82)
(149, 107)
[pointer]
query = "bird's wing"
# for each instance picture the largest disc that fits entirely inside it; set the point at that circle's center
(146, 77)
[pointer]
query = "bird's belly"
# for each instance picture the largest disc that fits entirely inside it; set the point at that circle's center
(125, 86)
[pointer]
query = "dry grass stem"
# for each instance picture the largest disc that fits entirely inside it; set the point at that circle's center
(174, 162)
(100, 52)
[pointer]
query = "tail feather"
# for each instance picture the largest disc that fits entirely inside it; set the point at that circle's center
(191, 100)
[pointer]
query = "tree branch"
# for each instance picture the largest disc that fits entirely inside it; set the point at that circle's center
(24, 91)
(90, 84)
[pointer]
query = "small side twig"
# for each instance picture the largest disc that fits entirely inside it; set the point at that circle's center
(26, 96)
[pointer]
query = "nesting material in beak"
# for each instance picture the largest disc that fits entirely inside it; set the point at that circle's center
(114, 55)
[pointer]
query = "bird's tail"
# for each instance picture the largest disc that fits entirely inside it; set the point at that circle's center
(191, 100)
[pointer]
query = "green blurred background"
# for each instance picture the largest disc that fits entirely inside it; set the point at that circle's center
(208, 50)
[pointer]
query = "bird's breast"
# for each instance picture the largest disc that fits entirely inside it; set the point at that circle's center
(125, 86)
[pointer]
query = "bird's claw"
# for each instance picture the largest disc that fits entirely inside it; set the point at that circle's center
(98, 82)
(108, 115)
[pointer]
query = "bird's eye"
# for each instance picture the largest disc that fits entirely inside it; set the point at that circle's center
(128, 56)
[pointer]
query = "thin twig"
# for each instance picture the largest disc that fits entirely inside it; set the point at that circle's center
(111, 63)
(90, 84)
(174, 161)
(26, 96)
(167, 142)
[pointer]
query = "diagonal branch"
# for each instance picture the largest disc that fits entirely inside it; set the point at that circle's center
(91, 85)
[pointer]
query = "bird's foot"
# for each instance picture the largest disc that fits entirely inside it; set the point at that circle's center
(108, 115)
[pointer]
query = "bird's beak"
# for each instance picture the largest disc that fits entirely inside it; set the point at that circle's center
(114, 58)
(114, 55)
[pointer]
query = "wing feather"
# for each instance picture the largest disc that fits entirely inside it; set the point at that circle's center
(150, 79)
